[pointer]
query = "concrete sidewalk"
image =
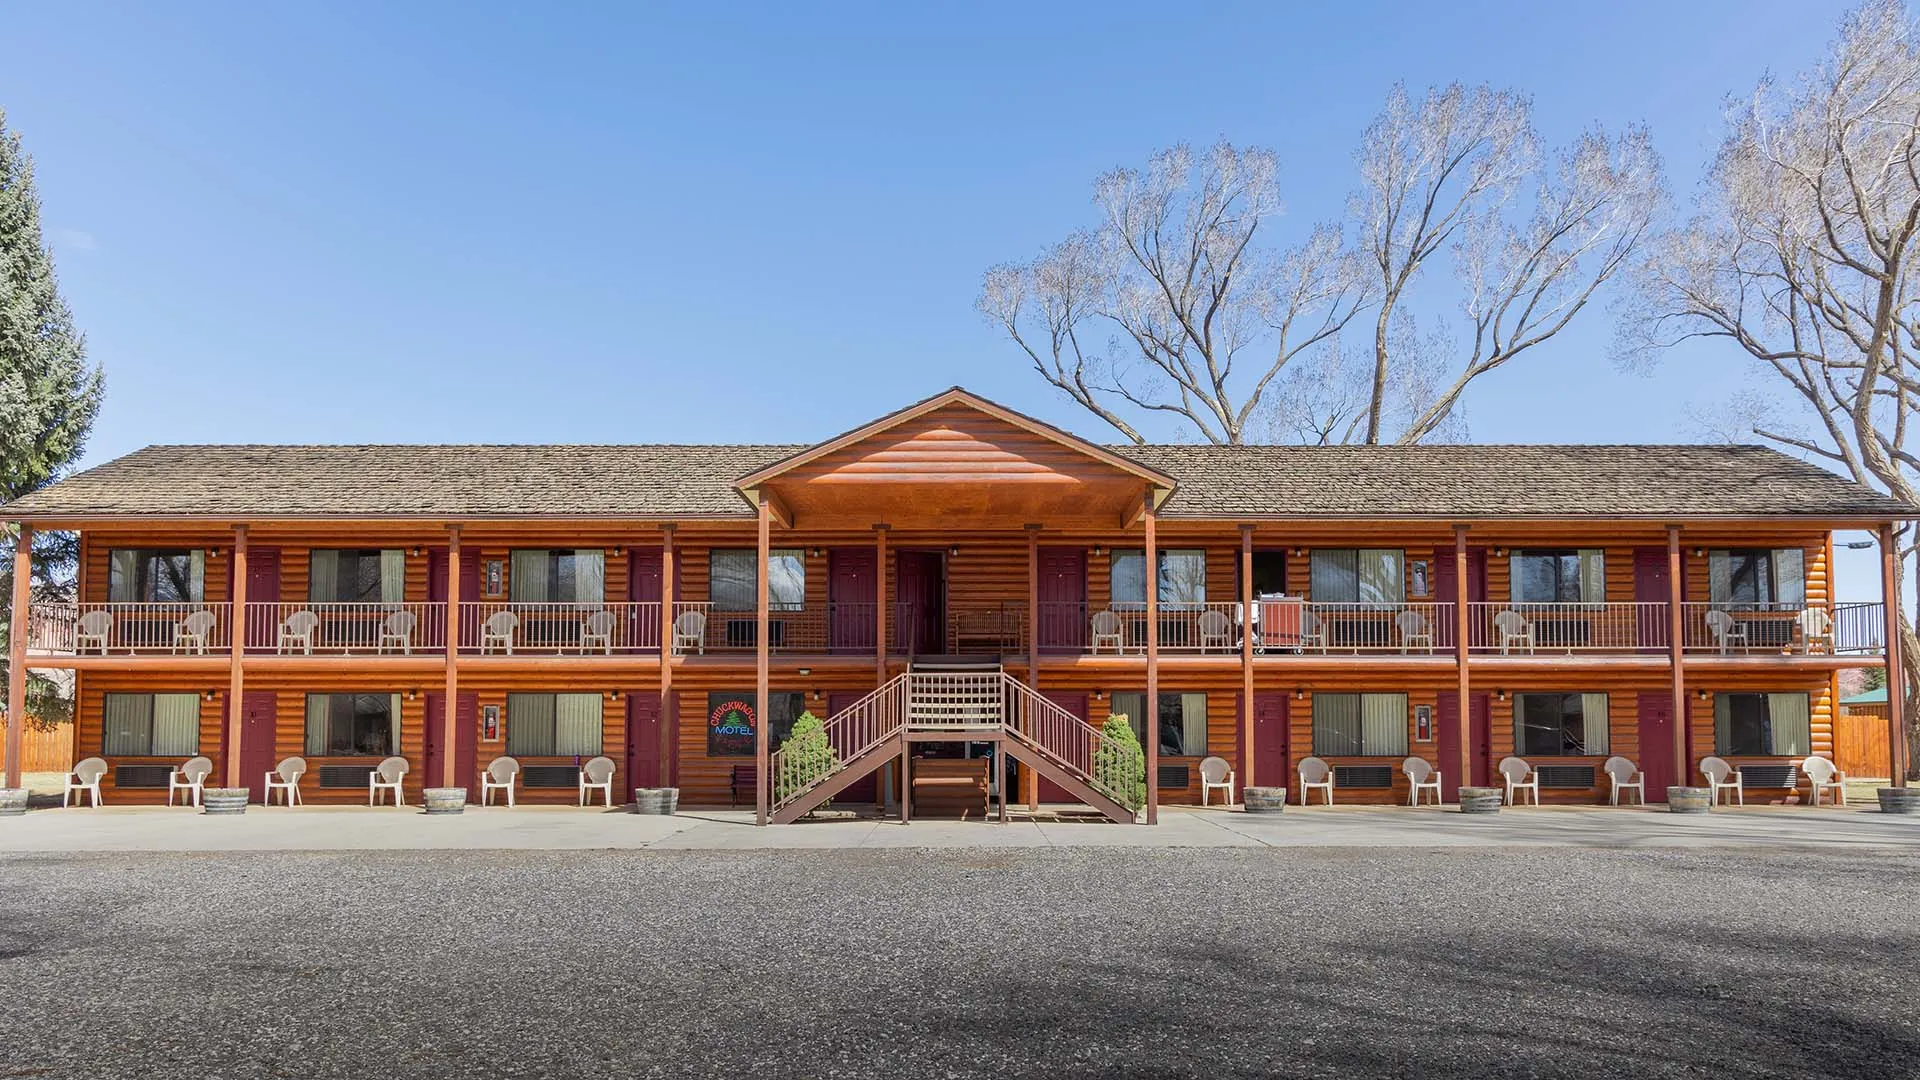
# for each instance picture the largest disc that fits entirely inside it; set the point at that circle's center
(567, 828)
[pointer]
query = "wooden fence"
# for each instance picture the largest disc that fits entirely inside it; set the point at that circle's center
(1860, 741)
(52, 751)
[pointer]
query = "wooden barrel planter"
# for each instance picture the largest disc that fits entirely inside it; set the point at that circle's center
(1480, 800)
(1900, 800)
(13, 801)
(446, 800)
(224, 800)
(659, 801)
(1264, 800)
(1689, 800)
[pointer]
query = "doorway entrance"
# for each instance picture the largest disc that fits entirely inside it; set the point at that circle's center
(920, 602)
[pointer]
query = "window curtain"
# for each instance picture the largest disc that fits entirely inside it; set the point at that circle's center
(1789, 725)
(1383, 576)
(1722, 723)
(176, 725)
(576, 724)
(323, 577)
(129, 725)
(393, 577)
(123, 576)
(1133, 706)
(1593, 721)
(530, 720)
(319, 715)
(528, 573)
(1593, 576)
(197, 576)
(590, 576)
(1336, 725)
(1128, 573)
(1334, 576)
(1193, 724)
(1720, 578)
(1790, 578)
(393, 725)
(1383, 725)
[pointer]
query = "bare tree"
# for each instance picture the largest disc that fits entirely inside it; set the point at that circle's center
(1801, 255)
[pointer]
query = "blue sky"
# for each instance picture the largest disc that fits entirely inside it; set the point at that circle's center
(465, 222)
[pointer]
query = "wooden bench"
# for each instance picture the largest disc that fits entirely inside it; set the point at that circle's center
(745, 778)
(950, 787)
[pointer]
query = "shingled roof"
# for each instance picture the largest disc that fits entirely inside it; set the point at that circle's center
(660, 481)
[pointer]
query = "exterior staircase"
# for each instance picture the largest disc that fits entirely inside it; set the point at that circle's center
(942, 698)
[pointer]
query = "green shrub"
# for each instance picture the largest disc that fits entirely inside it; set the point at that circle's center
(1120, 765)
(806, 756)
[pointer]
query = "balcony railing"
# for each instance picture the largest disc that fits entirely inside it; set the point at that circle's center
(130, 629)
(1544, 629)
(588, 629)
(1278, 626)
(357, 629)
(1759, 630)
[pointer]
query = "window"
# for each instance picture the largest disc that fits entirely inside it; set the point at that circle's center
(558, 576)
(1269, 573)
(734, 586)
(1183, 721)
(150, 576)
(1559, 577)
(1360, 725)
(1560, 725)
(1181, 581)
(1762, 725)
(151, 725)
(1757, 578)
(553, 725)
(1359, 576)
(356, 576)
(353, 725)
(730, 728)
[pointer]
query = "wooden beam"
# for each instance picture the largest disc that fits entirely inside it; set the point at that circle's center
(762, 789)
(1464, 686)
(1896, 674)
(1676, 657)
(668, 597)
(450, 699)
(1245, 765)
(880, 604)
(775, 506)
(17, 651)
(1153, 664)
(237, 644)
(1136, 509)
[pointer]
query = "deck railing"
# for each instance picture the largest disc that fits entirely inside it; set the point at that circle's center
(852, 732)
(119, 629)
(1072, 743)
(1543, 629)
(589, 629)
(1279, 627)
(1759, 630)
(345, 629)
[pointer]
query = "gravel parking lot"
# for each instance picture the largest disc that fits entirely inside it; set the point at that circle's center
(1058, 963)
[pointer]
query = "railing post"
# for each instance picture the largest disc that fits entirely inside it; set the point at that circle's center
(1896, 672)
(450, 702)
(1153, 663)
(1245, 772)
(880, 605)
(668, 597)
(1676, 657)
(1461, 625)
(17, 651)
(237, 650)
(761, 737)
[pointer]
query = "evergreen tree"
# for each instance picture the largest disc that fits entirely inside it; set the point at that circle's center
(49, 397)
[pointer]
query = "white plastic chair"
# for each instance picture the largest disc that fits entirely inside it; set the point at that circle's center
(1215, 630)
(1816, 627)
(285, 778)
(1216, 774)
(596, 632)
(296, 633)
(1519, 777)
(1107, 631)
(1722, 776)
(1315, 773)
(1823, 775)
(1625, 776)
(597, 773)
(389, 775)
(690, 632)
(190, 633)
(1725, 631)
(1511, 630)
(190, 778)
(500, 775)
(1414, 630)
(94, 628)
(85, 777)
(1422, 776)
(498, 631)
(398, 629)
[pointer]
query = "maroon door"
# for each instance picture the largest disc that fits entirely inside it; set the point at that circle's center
(469, 590)
(1656, 744)
(1447, 718)
(863, 790)
(263, 587)
(851, 593)
(1063, 599)
(643, 587)
(920, 601)
(1270, 765)
(1443, 576)
(1650, 580)
(643, 742)
(257, 749)
(1077, 705)
(466, 741)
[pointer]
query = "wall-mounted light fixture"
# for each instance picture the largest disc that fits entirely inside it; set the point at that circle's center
(1499, 553)
(412, 693)
(805, 671)
(613, 695)
(1501, 694)
(1299, 553)
(1703, 694)
(1699, 553)
(1299, 694)
(814, 693)
(211, 693)
(954, 551)
(1099, 695)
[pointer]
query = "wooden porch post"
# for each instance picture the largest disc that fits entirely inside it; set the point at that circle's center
(236, 654)
(1153, 665)
(667, 599)
(17, 651)
(1676, 658)
(1896, 675)
(762, 739)
(1030, 780)
(1461, 622)
(1245, 765)
(880, 605)
(450, 701)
